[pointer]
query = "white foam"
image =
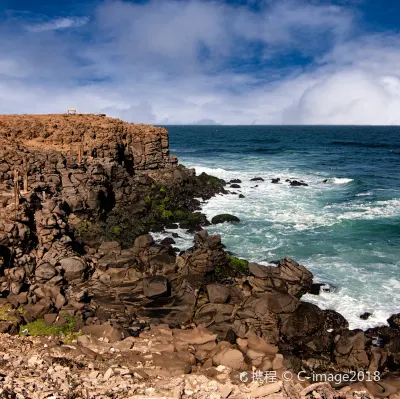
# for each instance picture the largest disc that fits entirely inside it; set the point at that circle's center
(338, 180)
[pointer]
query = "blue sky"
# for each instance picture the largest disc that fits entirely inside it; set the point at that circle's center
(204, 61)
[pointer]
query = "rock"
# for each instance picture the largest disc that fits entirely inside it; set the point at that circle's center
(276, 180)
(365, 316)
(241, 196)
(144, 241)
(167, 241)
(257, 179)
(74, 268)
(235, 186)
(45, 272)
(258, 344)
(224, 218)
(50, 318)
(235, 181)
(217, 293)
(155, 286)
(317, 288)
(104, 331)
(394, 321)
(231, 358)
(266, 390)
(295, 183)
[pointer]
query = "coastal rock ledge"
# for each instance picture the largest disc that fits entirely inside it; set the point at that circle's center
(92, 307)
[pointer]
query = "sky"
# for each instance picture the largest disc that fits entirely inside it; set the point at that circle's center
(204, 61)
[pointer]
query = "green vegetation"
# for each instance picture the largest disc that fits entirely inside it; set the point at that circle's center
(6, 313)
(39, 327)
(116, 230)
(240, 265)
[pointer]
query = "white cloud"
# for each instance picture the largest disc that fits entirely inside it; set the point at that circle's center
(170, 62)
(58, 24)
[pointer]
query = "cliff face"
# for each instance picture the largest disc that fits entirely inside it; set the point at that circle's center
(142, 147)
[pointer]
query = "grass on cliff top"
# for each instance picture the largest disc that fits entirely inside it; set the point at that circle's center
(39, 327)
(5, 313)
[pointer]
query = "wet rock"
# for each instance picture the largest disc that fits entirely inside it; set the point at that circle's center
(257, 179)
(235, 186)
(276, 180)
(241, 196)
(295, 183)
(235, 181)
(365, 316)
(226, 217)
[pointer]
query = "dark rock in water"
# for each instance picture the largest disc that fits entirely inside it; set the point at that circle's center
(176, 249)
(287, 180)
(394, 321)
(296, 183)
(257, 179)
(167, 241)
(241, 196)
(172, 226)
(235, 181)
(235, 186)
(225, 217)
(175, 235)
(317, 288)
(255, 186)
(194, 229)
(325, 181)
(365, 316)
(276, 181)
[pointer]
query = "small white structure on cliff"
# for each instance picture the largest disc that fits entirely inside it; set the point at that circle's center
(71, 111)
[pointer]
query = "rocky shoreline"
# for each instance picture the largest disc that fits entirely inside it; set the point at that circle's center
(119, 315)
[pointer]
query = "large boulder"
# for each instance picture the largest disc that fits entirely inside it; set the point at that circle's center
(288, 276)
(74, 268)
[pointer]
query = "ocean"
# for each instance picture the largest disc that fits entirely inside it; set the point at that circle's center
(345, 230)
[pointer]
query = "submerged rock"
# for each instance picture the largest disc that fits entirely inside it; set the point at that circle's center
(225, 217)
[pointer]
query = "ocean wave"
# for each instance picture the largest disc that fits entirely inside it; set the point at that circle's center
(367, 145)
(340, 180)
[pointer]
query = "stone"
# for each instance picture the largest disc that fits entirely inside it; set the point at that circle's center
(394, 321)
(45, 272)
(155, 286)
(226, 217)
(217, 293)
(266, 390)
(74, 268)
(104, 331)
(365, 316)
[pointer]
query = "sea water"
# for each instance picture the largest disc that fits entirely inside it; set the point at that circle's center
(346, 230)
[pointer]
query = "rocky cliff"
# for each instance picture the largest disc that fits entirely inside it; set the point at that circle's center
(78, 196)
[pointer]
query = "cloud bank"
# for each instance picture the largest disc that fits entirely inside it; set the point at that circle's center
(205, 62)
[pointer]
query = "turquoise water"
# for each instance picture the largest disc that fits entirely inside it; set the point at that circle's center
(346, 231)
